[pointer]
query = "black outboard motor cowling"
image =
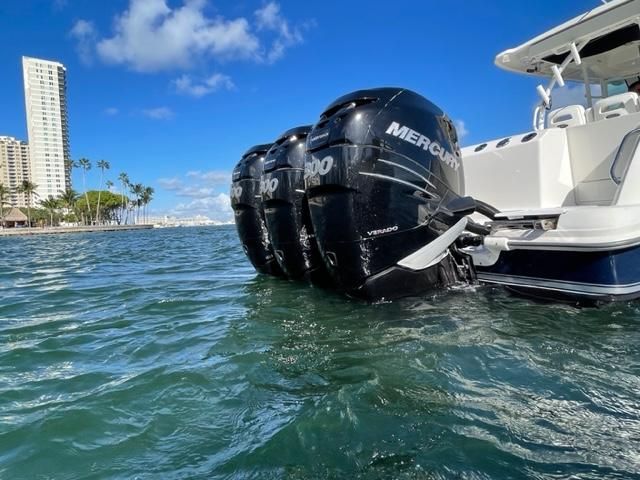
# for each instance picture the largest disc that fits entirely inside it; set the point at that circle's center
(384, 181)
(286, 210)
(248, 210)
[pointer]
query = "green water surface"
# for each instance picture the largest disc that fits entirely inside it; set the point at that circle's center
(161, 354)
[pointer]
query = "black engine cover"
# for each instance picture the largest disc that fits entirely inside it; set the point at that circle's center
(382, 168)
(248, 211)
(286, 210)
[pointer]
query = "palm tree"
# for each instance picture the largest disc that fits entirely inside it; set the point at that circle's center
(147, 196)
(124, 181)
(137, 190)
(4, 195)
(130, 206)
(68, 199)
(85, 164)
(29, 189)
(109, 185)
(102, 165)
(50, 204)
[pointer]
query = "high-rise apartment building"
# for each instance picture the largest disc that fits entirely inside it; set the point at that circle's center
(15, 166)
(45, 93)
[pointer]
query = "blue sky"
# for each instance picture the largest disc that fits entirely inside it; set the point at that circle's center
(173, 91)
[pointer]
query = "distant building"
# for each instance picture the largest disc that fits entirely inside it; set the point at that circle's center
(15, 166)
(195, 221)
(45, 94)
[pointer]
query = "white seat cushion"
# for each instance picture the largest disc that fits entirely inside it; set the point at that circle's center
(568, 116)
(616, 106)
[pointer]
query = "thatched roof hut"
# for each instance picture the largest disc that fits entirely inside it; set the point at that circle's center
(14, 218)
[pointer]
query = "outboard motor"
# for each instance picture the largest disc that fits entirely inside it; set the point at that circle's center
(249, 215)
(286, 210)
(384, 180)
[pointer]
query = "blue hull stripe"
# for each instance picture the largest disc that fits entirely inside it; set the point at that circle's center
(614, 272)
(587, 289)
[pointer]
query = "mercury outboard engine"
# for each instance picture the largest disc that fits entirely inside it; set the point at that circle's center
(384, 180)
(249, 215)
(286, 210)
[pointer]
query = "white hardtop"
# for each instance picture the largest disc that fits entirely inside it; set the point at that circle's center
(608, 38)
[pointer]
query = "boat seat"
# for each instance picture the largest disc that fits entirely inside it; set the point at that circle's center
(568, 116)
(616, 106)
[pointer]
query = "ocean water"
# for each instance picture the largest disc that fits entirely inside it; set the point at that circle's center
(161, 354)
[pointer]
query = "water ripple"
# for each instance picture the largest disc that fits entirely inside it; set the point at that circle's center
(161, 354)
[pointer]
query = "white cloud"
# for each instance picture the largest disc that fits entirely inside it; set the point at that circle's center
(216, 207)
(212, 177)
(82, 28)
(158, 113)
(461, 129)
(186, 85)
(195, 192)
(196, 184)
(269, 18)
(203, 189)
(85, 35)
(150, 36)
(111, 111)
(170, 183)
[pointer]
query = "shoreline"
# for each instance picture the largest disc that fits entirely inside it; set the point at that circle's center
(9, 232)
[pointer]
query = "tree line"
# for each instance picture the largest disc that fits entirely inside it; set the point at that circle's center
(92, 207)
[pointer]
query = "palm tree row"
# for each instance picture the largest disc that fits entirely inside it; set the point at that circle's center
(72, 208)
(129, 201)
(143, 195)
